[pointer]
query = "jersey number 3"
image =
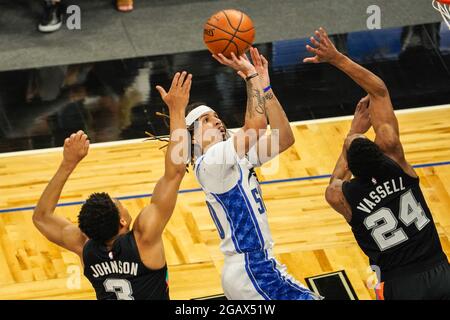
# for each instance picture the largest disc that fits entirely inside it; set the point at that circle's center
(121, 287)
(383, 223)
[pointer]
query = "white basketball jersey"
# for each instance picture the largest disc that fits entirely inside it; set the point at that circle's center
(234, 199)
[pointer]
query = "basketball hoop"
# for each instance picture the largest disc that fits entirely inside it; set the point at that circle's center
(443, 6)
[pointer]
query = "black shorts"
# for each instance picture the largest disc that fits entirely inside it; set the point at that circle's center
(433, 284)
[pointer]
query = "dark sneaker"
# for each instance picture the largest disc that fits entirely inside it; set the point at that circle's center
(52, 17)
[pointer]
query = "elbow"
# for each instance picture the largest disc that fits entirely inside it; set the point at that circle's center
(290, 139)
(380, 90)
(178, 173)
(329, 195)
(287, 142)
(37, 218)
(388, 139)
(285, 136)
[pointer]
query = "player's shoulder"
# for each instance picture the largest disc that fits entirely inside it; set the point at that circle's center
(333, 191)
(398, 167)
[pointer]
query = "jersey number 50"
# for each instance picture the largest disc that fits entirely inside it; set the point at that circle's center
(257, 196)
(383, 222)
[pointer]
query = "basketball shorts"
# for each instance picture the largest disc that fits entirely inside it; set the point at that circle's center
(258, 276)
(432, 284)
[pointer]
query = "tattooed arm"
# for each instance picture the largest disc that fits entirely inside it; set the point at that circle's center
(255, 115)
(281, 136)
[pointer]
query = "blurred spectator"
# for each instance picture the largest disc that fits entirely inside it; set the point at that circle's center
(124, 5)
(424, 36)
(52, 17)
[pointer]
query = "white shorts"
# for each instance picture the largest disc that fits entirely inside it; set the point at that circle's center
(258, 276)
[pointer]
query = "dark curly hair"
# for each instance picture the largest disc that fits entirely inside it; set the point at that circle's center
(99, 217)
(364, 158)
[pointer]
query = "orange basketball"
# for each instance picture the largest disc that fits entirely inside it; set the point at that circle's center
(229, 31)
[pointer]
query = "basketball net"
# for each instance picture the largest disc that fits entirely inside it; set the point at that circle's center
(444, 9)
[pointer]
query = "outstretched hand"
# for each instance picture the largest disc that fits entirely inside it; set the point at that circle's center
(361, 121)
(177, 98)
(323, 49)
(261, 66)
(76, 147)
(240, 64)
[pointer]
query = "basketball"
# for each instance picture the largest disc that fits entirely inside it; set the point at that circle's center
(229, 31)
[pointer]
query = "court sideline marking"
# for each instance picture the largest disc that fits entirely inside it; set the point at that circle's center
(138, 196)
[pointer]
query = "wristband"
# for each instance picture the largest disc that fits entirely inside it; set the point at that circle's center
(267, 88)
(251, 76)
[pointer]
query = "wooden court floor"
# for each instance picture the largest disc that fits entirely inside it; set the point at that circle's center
(310, 239)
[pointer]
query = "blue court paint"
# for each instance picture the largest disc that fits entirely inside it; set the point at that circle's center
(147, 195)
(426, 165)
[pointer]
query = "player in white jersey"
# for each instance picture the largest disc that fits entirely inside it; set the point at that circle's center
(224, 168)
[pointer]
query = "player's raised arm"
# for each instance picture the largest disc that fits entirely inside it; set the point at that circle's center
(382, 114)
(255, 115)
(333, 195)
(281, 132)
(55, 228)
(151, 221)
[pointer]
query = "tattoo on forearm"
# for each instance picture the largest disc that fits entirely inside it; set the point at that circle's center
(256, 102)
(269, 96)
(261, 102)
(249, 111)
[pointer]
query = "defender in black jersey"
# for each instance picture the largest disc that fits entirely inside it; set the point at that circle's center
(383, 203)
(121, 264)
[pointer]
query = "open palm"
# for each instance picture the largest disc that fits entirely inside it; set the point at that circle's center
(324, 49)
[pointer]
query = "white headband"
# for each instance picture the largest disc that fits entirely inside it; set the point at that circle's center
(197, 113)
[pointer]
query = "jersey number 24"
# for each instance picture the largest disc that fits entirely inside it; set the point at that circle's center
(383, 222)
